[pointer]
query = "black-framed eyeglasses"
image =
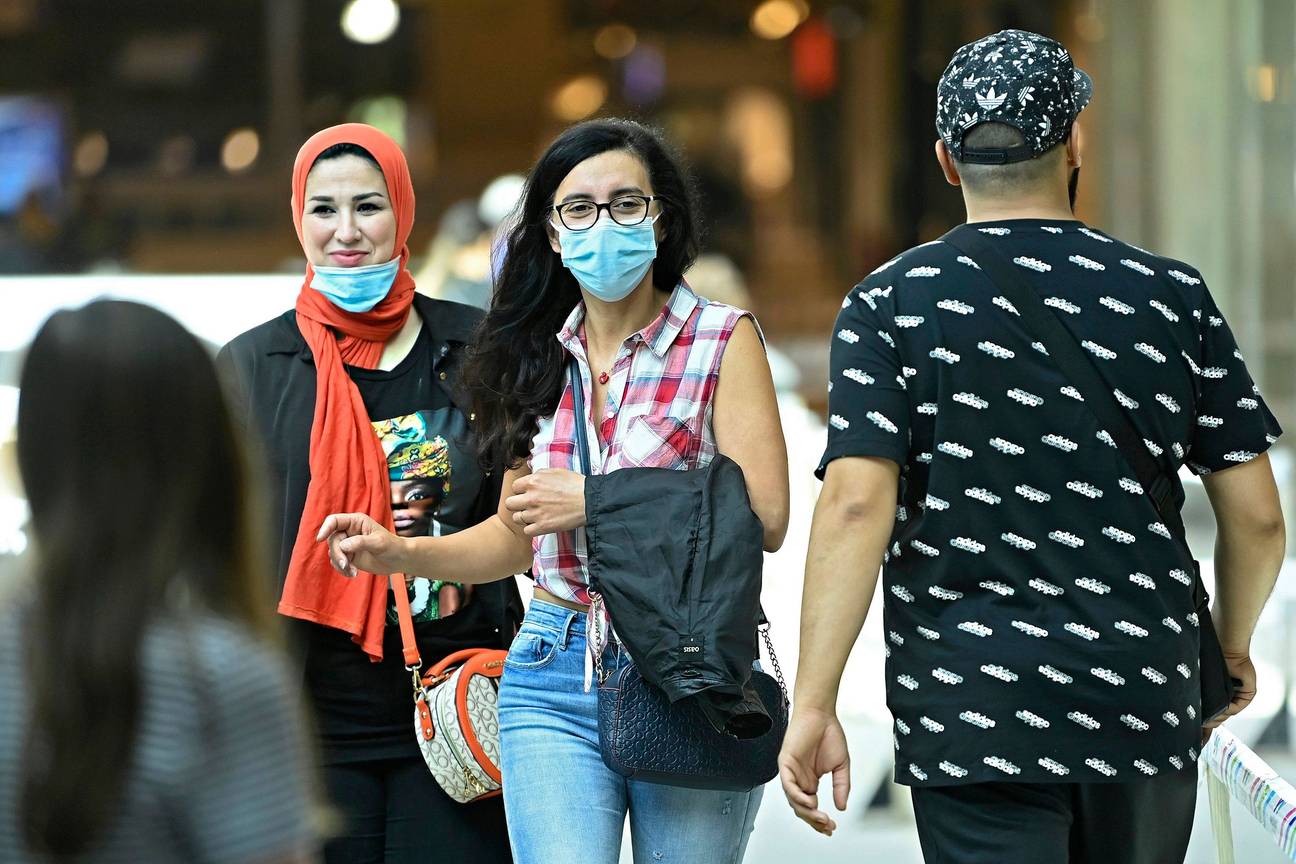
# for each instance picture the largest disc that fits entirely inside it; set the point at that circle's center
(625, 210)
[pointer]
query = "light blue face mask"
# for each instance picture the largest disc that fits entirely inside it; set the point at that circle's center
(609, 260)
(356, 289)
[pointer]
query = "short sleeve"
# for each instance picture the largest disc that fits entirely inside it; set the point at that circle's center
(251, 797)
(1233, 424)
(868, 406)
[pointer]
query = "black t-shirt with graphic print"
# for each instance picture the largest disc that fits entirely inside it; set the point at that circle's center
(1038, 616)
(436, 487)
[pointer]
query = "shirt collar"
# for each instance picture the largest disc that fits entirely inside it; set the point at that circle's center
(658, 336)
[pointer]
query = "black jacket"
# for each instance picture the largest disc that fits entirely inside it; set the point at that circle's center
(677, 556)
(270, 375)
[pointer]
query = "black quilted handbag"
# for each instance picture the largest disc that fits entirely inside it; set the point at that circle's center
(642, 736)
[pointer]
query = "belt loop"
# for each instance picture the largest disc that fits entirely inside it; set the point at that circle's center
(565, 636)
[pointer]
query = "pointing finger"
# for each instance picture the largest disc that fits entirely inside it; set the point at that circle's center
(329, 527)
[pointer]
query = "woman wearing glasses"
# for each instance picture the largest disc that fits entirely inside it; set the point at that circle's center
(594, 270)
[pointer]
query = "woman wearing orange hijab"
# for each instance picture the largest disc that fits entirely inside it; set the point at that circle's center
(353, 395)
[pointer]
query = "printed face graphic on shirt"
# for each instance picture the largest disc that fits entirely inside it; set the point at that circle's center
(414, 503)
(419, 469)
(418, 466)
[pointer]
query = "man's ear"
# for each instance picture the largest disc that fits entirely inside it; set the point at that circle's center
(947, 164)
(1075, 145)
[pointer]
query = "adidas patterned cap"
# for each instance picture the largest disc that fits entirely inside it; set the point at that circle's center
(1015, 77)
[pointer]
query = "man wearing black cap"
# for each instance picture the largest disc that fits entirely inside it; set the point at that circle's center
(1009, 410)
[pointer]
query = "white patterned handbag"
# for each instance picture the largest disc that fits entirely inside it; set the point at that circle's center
(456, 713)
(456, 719)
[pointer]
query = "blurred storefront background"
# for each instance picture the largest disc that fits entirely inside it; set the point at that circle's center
(146, 147)
(150, 137)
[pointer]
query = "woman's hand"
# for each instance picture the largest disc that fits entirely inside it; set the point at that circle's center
(548, 501)
(356, 542)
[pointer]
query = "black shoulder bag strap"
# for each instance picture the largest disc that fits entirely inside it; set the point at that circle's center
(578, 409)
(1071, 360)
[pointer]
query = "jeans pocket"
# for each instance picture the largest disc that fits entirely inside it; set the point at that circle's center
(533, 648)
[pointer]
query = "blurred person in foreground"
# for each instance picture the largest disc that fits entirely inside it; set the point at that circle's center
(147, 713)
(354, 398)
(1042, 636)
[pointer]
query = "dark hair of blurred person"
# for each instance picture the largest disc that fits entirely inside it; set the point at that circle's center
(516, 367)
(143, 520)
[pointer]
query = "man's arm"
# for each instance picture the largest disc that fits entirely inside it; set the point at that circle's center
(853, 520)
(1250, 541)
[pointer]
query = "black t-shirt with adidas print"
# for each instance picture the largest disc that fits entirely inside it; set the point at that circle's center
(1038, 617)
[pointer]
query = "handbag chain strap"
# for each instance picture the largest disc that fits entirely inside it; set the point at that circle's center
(769, 646)
(594, 625)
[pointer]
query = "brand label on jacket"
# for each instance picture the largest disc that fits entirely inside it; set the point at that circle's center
(690, 647)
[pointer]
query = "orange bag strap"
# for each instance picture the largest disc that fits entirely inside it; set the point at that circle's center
(409, 648)
(457, 657)
(489, 663)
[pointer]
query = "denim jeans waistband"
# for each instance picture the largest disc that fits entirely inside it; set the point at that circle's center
(568, 623)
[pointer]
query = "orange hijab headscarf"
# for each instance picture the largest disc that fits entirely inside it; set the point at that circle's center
(347, 467)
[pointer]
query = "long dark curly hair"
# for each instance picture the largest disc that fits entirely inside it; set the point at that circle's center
(516, 367)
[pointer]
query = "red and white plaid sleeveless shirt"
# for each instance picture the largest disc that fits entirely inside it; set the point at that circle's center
(657, 415)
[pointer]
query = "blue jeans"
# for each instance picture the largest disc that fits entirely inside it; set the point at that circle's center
(562, 803)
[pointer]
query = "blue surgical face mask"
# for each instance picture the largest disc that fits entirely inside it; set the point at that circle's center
(356, 289)
(609, 260)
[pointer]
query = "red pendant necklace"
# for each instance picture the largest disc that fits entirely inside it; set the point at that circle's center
(603, 377)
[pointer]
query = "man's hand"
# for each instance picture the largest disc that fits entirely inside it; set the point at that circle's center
(356, 542)
(1250, 540)
(814, 745)
(1239, 666)
(548, 501)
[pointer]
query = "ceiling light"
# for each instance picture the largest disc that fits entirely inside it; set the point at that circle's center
(370, 21)
(615, 41)
(775, 19)
(91, 154)
(579, 98)
(240, 150)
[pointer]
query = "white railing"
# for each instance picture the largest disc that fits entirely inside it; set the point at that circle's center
(1234, 771)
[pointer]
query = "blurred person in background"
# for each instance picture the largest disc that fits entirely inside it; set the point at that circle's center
(354, 397)
(1041, 617)
(466, 254)
(594, 270)
(716, 277)
(147, 714)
